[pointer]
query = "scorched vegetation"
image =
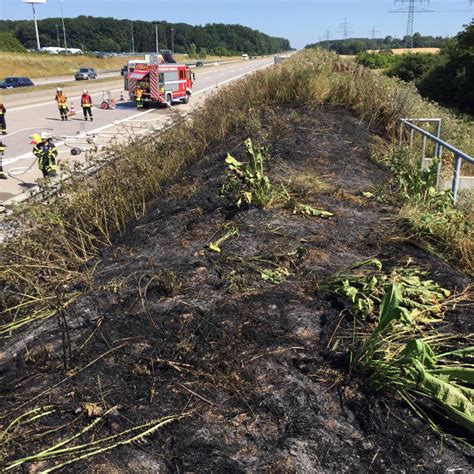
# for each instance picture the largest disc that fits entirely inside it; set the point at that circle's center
(192, 294)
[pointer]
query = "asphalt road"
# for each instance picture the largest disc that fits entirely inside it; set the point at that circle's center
(34, 112)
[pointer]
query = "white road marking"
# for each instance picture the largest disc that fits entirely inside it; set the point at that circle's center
(41, 104)
(140, 114)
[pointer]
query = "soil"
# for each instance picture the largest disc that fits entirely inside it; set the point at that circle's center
(173, 328)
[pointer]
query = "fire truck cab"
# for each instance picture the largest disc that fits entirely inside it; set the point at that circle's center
(163, 83)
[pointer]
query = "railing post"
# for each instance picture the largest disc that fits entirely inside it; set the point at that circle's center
(456, 177)
(423, 152)
(400, 138)
(438, 154)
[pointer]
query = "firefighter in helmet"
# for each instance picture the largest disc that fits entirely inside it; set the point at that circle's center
(3, 124)
(86, 104)
(61, 100)
(46, 152)
(2, 151)
(139, 97)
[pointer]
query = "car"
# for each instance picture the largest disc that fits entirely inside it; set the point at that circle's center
(124, 70)
(85, 73)
(199, 63)
(11, 82)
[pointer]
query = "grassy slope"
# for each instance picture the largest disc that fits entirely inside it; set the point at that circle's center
(43, 65)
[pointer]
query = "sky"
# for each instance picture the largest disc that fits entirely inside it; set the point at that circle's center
(300, 21)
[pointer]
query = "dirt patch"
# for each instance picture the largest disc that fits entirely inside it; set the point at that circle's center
(173, 328)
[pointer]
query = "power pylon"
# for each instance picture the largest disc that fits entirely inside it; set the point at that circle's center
(373, 31)
(346, 28)
(412, 9)
(328, 37)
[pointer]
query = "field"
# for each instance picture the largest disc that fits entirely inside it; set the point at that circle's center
(400, 51)
(206, 316)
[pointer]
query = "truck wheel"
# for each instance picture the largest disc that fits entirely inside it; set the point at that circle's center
(168, 100)
(186, 99)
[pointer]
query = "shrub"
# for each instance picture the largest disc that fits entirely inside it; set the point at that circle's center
(414, 67)
(381, 60)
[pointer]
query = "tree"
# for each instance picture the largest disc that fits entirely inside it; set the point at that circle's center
(452, 80)
(413, 67)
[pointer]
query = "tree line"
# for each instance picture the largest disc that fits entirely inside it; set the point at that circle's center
(354, 46)
(111, 35)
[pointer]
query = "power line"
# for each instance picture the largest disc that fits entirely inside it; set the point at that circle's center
(411, 10)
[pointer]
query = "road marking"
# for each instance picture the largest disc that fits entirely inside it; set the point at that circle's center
(50, 102)
(140, 114)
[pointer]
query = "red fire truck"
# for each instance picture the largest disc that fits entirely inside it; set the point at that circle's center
(163, 83)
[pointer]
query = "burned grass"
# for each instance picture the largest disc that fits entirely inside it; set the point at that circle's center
(241, 364)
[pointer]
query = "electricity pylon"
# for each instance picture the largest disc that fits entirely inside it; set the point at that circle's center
(346, 28)
(412, 9)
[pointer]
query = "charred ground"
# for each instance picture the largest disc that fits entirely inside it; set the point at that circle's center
(173, 328)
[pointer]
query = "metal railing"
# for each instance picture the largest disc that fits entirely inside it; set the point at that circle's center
(439, 147)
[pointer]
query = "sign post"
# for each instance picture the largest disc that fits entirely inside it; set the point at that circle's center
(33, 3)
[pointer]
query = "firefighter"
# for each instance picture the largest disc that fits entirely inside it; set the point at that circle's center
(46, 152)
(3, 124)
(86, 104)
(2, 151)
(139, 97)
(61, 100)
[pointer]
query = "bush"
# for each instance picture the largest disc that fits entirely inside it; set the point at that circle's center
(414, 67)
(451, 81)
(381, 60)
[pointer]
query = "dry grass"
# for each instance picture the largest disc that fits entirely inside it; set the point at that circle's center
(44, 65)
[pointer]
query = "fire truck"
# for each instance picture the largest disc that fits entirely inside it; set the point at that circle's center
(162, 83)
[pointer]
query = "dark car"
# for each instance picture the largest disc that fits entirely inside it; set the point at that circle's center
(85, 73)
(11, 82)
(124, 71)
(199, 63)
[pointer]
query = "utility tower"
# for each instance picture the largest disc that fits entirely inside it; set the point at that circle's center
(328, 37)
(411, 10)
(373, 32)
(346, 28)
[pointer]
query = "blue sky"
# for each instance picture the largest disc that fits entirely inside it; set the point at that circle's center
(301, 21)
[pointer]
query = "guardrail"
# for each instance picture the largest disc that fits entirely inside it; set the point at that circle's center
(439, 146)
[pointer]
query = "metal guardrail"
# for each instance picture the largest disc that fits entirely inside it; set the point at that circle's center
(439, 144)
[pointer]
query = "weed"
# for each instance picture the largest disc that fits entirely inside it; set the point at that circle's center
(247, 180)
(230, 229)
(398, 348)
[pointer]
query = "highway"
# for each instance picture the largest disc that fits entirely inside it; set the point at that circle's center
(33, 112)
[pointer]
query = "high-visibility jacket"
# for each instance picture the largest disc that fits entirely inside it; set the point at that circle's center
(2, 148)
(86, 101)
(138, 94)
(46, 152)
(61, 99)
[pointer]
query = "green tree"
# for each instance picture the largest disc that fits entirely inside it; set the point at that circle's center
(414, 67)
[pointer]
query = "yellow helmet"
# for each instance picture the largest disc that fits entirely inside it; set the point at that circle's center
(36, 138)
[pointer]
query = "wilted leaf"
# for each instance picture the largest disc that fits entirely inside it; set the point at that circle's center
(92, 410)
